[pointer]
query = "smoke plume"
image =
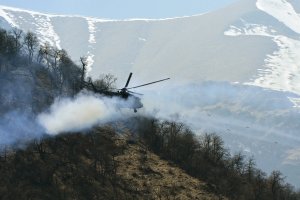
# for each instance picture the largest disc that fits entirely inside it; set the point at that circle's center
(17, 128)
(80, 113)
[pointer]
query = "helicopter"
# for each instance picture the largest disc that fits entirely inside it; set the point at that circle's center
(124, 93)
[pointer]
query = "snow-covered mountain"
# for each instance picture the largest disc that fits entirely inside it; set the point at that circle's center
(235, 71)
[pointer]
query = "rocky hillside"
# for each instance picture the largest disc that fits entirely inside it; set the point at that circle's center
(154, 178)
(97, 165)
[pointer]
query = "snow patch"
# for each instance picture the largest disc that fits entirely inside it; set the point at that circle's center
(295, 101)
(142, 39)
(283, 11)
(7, 17)
(90, 61)
(250, 29)
(92, 40)
(282, 68)
(293, 157)
(92, 30)
(46, 30)
(42, 21)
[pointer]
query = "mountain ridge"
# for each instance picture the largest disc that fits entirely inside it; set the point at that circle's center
(233, 68)
(50, 30)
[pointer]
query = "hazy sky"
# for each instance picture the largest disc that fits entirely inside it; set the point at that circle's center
(120, 9)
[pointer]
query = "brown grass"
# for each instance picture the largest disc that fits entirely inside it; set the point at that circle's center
(154, 178)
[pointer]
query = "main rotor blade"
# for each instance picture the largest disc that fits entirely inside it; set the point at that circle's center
(135, 93)
(149, 83)
(128, 80)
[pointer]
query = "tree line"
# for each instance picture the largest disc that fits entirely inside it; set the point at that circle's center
(83, 165)
(50, 70)
(205, 157)
(71, 166)
(46, 71)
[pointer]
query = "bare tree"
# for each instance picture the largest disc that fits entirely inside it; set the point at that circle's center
(56, 54)
(84, 63)
(238, 163)
(31, 43)
(259, 185)
(106, 82)
(45, 53)
(250, 168)
(17, 34)
(276, 179)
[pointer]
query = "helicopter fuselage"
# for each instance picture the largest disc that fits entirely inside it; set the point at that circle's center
(131, 100)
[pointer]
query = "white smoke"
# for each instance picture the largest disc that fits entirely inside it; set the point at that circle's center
(81, 113)
(257, 121)
(17, 128)
(220, 106)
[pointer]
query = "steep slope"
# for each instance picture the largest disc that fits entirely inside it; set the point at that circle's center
(156, 178)
(234, 71)
(171, 46)
(145, 46)
(98, 165)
